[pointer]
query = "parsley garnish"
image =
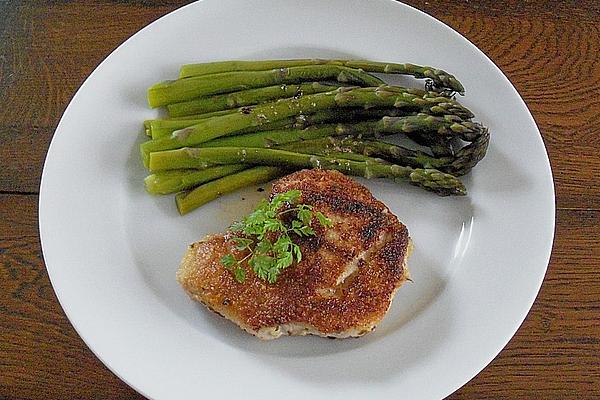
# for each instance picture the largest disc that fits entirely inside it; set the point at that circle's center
(266, 258)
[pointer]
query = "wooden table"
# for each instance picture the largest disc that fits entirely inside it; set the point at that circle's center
(549, 49)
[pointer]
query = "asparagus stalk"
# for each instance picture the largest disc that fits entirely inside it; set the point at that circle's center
(445, 126)
(315, 147)
(346, 115)
(429, 179)
(467, 157)
(179, 90)
(245, 98)
(362, 129)
(358, 149)
(147, 129)
(440, 78)
(440, 146)
(189, 200)
(157, 128)
(212, 128)
(173, 181)
(276, 138)
(204, 115)
(386, 151)
(404, 98)
(160, 128)
(163, 127)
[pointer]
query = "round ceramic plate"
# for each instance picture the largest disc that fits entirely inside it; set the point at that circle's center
(112, 250)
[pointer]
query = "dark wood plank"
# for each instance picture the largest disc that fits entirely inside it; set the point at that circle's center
(53, 48)
(576, 169)
(18, 216)
(586, 10)
(22, 154)
(554, 354)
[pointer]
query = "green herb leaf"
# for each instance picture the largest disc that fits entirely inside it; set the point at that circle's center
(261, 265)
(307, 231)
(268, 259)
(285, 261)
(241, 243)
(263, 247)
(237, 226)
(305, 216)
(323, 220)
(282, 244)
(228, 261)
(239, 274)
(274, 225)
(297, 252)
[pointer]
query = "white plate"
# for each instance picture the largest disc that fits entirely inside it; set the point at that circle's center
(112, 250)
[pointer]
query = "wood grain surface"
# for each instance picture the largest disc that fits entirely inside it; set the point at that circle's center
(549, 49)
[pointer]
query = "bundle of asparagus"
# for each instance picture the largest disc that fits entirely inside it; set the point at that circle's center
(238, 123)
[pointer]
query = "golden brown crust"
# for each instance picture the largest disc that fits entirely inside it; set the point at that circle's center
(345, 281)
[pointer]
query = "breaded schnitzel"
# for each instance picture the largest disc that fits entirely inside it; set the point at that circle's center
(342, 287)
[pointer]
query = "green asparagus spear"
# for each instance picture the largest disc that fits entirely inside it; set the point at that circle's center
(347, 115)
(212, 128)
(404, 98)
(274, 137)
(349, 147)
(467, 157)
(179, 90)
(245, 98)
(429, 179)
(304, 120)
(279, 137)
(147, 129)
(156, 128)
(160, 128)
(189, 200)
(204, 115)
(176, 180)
(441, 79)
(440, 146)
(443, 126)
(434, 132)
(203, 194)
(316, 148)
(386, 151)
